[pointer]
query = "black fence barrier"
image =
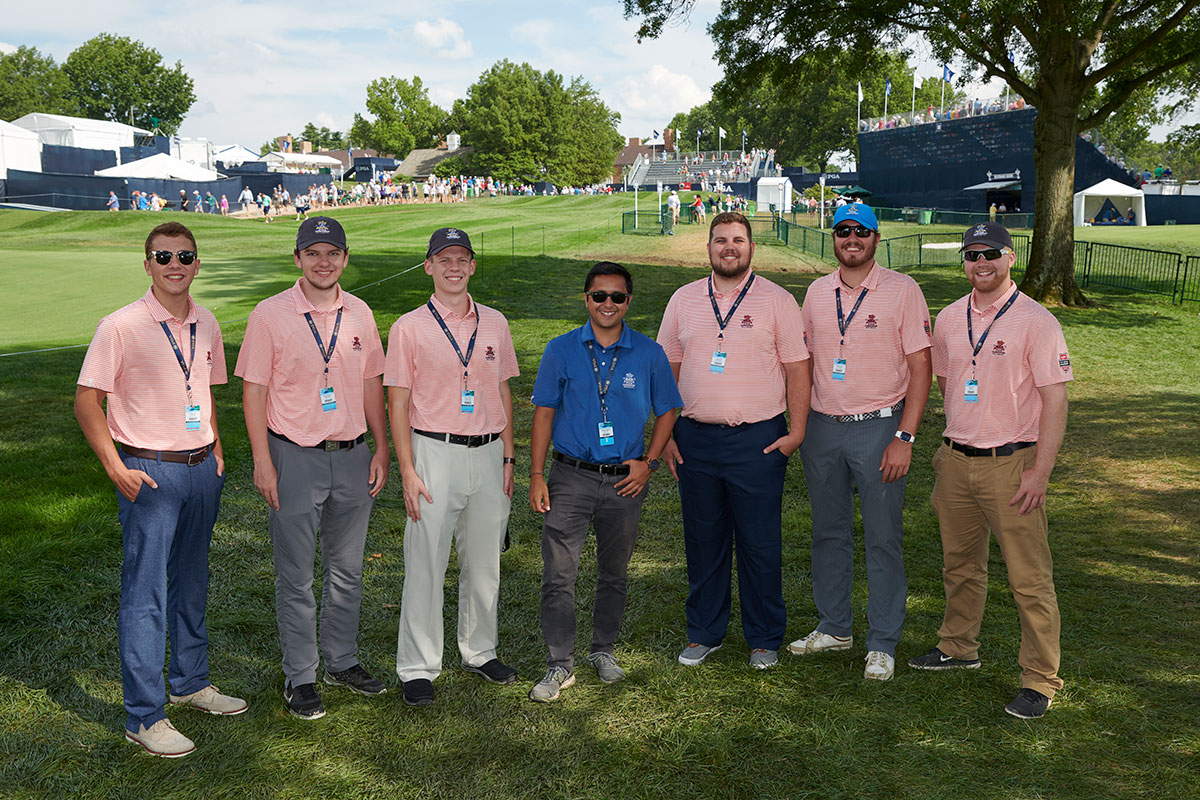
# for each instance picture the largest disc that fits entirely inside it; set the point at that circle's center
(1134, 268)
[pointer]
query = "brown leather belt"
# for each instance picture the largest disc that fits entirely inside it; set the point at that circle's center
(189, 457)
(1002, 450)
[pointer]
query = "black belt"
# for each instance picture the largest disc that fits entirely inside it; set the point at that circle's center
(328, 444)
(189, 457)
(892, 411)
(603, 469)
(1002, 450)
(457, 438)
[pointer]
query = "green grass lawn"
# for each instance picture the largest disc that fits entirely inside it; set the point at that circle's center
(1125, 529)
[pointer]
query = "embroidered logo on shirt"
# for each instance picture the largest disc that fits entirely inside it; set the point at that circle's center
(357, 345)
(871, 323)
(629, 382)
(747, 321)
(208, 358)
(1064, 361)
(998, 348)
(490, 353)
(927, 331)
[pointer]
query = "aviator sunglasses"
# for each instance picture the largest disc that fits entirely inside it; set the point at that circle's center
(844, 231)
(599, 297)
(988, 255)
(164, 256)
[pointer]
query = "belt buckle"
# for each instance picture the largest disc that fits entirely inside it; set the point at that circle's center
(332, 444)
(197, 457)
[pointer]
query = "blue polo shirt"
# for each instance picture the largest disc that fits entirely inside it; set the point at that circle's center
(642, 384)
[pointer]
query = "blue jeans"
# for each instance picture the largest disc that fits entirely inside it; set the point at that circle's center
(164, 583)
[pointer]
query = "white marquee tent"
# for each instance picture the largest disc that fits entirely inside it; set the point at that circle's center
(19, 149)
(1089, 202)
(97, 134)
(162, 167)
(282, 162)
(235, 155)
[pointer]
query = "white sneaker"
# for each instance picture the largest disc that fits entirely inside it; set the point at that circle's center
(817, 642)
(161, 739)
(880, 666)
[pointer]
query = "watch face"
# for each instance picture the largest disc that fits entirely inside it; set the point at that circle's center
(653, 464)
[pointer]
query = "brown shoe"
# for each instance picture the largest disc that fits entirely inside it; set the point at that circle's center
(211, 700)
(161, 739)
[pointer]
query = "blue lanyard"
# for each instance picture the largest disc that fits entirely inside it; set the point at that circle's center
(185, 366)
(602, 388)
(843, 324)
(732, 308)
(976, 347)
(337, 323)
(466, 360)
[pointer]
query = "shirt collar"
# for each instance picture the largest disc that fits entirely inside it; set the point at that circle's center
(1001, 300)
(870, 282)
(304, 306)
(160, 314)
(735, 291)
(588, 335)
(445, 311)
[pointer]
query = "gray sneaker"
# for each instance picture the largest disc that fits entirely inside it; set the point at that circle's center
(695, 653)
(547, 689)
(607, 667)
(763, 659)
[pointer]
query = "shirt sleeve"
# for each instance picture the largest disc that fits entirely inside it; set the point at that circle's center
(218, 373)
(806, 321)
(257, 356)
(941, 365)
(1048, 357)
(789, 329)
(664, 393)
(668, 334)
(102, 364)
(373, 363)
(508, 353)
(915, 330)
(398, 362)
(549, 384)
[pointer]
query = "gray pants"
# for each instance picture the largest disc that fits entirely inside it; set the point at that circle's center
(839, 457)
(325, 491)
(579, 497)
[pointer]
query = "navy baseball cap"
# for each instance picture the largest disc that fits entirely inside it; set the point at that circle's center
(447, 237)
(993, 234)
(320, 229)
(856, 212)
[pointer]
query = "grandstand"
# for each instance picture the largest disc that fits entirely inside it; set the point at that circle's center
(678, 168)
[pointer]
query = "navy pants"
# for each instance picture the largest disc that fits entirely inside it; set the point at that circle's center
(164, 583)
(732, 494)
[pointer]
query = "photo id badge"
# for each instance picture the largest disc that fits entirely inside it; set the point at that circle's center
(839, 369)
(191, 418)
(328, 402)
(971, 395)
(606, 434)
(468, 401)
(717, 364)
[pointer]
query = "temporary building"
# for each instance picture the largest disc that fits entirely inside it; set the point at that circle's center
(235, 155)
(162, 167)
(774, 194)
(95, 134)
(19, 149)
(289, 161)
(1107, 196)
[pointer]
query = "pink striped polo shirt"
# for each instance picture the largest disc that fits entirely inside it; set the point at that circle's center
(764, 333)
(891, 323)
(1025, 349)
(280, 352)
(132, 360)
(420, 358)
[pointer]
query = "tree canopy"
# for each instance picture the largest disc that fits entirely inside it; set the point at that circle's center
(323, 137)
(404, 117)
(115, 77)
(1077, 61)
(29, 82)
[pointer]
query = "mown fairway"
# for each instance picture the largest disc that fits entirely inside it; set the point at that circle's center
(1125, 529)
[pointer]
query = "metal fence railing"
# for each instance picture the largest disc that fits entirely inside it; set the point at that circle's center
(1133, 268)
(645, 222)
(1189, 287)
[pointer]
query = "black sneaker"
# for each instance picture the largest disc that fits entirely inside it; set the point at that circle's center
(417, 692)
(494, 671)
(936, 659)
(303, 701)
(356, 679)
(1028, 704)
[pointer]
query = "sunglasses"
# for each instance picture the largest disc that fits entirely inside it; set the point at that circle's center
(844, 231)
(617, 297)
(164, 256)
(990, 254)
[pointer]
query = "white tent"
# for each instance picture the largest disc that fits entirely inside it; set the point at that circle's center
(774, 192)
(1089, 202)
(160, 166)
(19, 149)
(235, 155)
(97, 134)
(288, 161)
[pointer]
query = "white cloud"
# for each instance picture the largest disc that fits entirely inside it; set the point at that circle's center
(657, 94)
(6, 48)
(445, 36)
(533, 32)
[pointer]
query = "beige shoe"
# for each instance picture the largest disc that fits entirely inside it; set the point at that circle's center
(161, 739)
(817, 642)
(211, 700)
(880, 666)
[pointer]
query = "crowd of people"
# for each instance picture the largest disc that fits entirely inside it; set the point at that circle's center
(968, 108)
(740, 378)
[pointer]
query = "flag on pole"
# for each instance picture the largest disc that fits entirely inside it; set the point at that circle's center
(722, 132)
(947, 73)
(887, 86)
(860, 94)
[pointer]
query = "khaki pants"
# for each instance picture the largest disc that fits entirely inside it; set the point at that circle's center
(971, 497)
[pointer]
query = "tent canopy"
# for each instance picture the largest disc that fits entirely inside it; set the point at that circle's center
(301, 160)
(97, 134)
(235, 154)
(1090, 204)
(853, 191)
(19, 149)
(160, 166)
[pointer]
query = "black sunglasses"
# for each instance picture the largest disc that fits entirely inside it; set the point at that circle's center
(844, 231)
(164, 256)
(990, 254)
(617, 297)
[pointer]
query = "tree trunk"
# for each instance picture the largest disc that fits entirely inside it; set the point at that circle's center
(1050, 276)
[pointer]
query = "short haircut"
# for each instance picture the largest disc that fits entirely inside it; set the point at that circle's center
(608, 268)
(170, 229)
(728, 217)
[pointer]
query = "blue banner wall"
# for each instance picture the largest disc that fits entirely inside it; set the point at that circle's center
(76, 160)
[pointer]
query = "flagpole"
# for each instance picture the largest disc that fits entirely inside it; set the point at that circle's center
(912, 113)
(885, 99)
(858, 123)
(943, 102)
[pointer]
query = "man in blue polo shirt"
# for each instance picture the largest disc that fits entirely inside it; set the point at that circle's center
(596, 388)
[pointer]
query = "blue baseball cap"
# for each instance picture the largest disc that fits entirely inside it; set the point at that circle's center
(856, 212)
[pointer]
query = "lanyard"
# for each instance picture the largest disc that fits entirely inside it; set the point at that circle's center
(602, 388)
(337, 323)
(843, 324)
(466, 360)
(723, 322)
(976, 347)
(185, 366)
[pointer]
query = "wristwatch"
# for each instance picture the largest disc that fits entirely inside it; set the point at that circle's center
(652, 463)
(905, 436)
